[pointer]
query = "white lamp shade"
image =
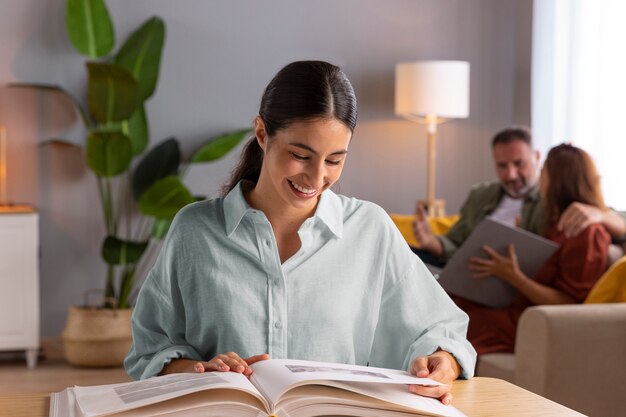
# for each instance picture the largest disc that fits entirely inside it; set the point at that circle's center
(438, 88)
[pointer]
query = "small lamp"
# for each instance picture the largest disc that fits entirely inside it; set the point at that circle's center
(430, 93)
(5, 206)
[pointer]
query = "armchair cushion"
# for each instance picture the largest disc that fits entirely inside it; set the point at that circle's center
(611, 287)
(439, 225)
(574, 355)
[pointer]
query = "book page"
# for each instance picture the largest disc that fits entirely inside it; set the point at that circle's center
(363, 399)
(63, 404)
(276, 376)
(107, 399)
(399, 395)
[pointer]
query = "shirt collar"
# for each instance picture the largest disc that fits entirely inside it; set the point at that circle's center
(329, 210)
(235, 207)
(533, 194)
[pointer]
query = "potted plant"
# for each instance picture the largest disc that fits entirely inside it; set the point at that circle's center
(138, 200)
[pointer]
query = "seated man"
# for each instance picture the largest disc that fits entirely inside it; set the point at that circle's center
(513, 199)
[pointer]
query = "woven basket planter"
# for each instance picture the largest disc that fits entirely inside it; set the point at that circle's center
(97, 337)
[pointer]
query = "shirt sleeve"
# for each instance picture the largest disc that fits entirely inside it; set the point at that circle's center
(461, 229)
(417, 317)
(582, 260)
(158, 321)
(620, 239)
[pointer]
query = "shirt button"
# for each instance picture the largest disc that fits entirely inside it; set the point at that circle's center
(267, 243)
(278, 325)
(276, 282)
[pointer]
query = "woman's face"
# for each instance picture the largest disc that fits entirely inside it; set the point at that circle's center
(302, 160)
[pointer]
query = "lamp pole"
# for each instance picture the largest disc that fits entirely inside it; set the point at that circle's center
(431, 132)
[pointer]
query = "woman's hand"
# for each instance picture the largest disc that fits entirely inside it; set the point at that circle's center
(221, 363)
(440, 366)
(501, 266)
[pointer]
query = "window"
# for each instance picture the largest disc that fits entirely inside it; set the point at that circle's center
(579, 84)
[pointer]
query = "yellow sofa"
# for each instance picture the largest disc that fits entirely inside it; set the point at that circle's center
(439, 225)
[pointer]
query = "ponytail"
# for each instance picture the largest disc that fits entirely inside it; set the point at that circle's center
(249, 166)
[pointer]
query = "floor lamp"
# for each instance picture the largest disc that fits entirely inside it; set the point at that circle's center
(430, 93)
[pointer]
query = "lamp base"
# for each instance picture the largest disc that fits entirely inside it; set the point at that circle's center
(434, 208)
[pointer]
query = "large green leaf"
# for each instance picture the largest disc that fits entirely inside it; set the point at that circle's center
(162, 161)
(89, 27)
(108, 153)
(116, 251)
(141, 55)
(112, 92)
(218, 147)
(136, 128)
(165, 198)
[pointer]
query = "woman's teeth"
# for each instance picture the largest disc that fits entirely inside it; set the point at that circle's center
(302, 189)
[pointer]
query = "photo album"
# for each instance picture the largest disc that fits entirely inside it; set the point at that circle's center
(532, 252)
(277, 388)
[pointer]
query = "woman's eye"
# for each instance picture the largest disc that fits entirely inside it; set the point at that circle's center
(331, 162)
(299, 157)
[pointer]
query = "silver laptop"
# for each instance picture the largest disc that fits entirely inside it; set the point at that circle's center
(532, 252)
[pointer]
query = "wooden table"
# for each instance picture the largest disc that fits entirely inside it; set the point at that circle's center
(478, 397)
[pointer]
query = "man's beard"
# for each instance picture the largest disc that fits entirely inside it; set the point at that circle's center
(520, 193)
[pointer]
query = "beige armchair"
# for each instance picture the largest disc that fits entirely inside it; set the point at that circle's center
(572, 354)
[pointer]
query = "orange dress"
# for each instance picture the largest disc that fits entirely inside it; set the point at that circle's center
(573, 269)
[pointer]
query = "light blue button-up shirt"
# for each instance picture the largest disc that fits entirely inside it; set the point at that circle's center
(354, 292)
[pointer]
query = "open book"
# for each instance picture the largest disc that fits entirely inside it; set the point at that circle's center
(280, 388)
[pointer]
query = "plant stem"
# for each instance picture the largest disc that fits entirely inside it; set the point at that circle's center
(105, 212)
(120, 202)
(126, 286)
(110, 288)
(184, 167)
(112, 229)
(128, 197)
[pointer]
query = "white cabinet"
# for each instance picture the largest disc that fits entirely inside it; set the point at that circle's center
(19, 284)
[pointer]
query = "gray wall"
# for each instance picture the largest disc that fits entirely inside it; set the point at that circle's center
(219, 55)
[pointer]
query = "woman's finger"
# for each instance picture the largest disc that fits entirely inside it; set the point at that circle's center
(479, 268)
(430, 391)
(257, 358)
(216, 364)
(419, 367)
(234, 362)
(480, 261)
(492, 252)
(446, 398)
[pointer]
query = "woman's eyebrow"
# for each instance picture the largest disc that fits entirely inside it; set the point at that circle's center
(313, 151)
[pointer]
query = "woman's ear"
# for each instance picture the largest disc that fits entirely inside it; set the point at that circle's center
(260, 132)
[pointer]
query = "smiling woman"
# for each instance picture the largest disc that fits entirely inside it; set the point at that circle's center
(281, 266)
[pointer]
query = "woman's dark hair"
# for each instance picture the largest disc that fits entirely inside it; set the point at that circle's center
(571, 177)
(301, 91)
